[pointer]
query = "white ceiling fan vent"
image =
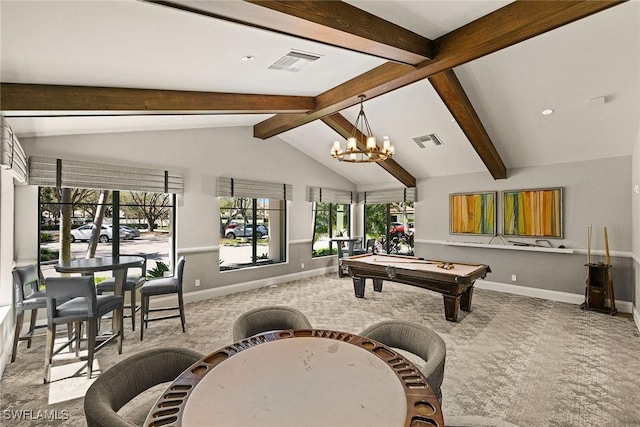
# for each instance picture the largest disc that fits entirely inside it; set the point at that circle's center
(294, 61)
(431, 138)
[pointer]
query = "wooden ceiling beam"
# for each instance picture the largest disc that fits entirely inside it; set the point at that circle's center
(36, 97)
(512, 24)
(344, 127)
(450, 90)
(330, 22)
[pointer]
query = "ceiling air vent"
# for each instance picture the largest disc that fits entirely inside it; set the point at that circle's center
(294, 61)
(431, 138)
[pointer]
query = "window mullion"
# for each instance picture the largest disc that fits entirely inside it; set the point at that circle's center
(254, 231)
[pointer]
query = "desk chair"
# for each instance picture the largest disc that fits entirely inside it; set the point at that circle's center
(73, 300)
(125, 380)
(416, 339)
(162, 286)
(132, 284)
(271, 318)
(29, 277)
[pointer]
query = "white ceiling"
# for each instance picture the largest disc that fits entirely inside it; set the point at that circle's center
(140, 45)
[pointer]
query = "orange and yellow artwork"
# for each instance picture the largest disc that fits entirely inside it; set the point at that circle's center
(472, 213)
(534, 213)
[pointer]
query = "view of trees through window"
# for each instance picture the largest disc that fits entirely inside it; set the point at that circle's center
(391, 225)
(68, 215)
(330, 220)
(252, 232)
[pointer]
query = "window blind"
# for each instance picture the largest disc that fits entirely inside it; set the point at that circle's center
(329, 195)
(395, 195)
(80, 174)
(12, 157)
(233, 187)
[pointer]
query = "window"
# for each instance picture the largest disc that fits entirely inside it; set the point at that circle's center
(252, 232)
(145, 225)
(391, 225)
(330, 220)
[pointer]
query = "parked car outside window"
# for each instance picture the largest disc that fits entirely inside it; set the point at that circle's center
(245, 230)
(397, 229)
(132, 232)
(106, 234)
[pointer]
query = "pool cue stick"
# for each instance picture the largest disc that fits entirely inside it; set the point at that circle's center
(411, 262)
(587, 289)
(589, 244)
(609, 279)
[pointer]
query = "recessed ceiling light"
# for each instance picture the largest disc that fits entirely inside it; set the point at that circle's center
(547, 112)
(248, 58)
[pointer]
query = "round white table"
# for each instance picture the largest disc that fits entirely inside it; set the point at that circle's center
(311, 378)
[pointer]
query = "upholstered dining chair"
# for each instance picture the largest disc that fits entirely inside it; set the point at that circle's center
(73, 300)
(270, 318)
(125, 380)
(33, 299)
(162, 286)
(416, 339)
(367, 249)
(133, 282)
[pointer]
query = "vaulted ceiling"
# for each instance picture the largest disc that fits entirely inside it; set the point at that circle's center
(478, 74)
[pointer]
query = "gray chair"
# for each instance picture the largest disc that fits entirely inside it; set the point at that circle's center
(26, 277)
(265, 319)
(162, 286)
(416, 339)
(73, 301)
(368, 249)
(132, 284)
(125, 380)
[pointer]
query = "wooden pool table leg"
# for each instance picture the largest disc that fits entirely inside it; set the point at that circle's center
(377, 285)
(358, 286)
(451, 305)
(465, 300)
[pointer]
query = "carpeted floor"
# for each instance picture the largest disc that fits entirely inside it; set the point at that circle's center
(511, 361)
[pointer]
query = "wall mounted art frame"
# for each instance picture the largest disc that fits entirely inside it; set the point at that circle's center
(473, 213)
(532, 213)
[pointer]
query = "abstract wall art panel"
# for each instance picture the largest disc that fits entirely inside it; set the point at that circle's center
(473, 213)
(532, 213)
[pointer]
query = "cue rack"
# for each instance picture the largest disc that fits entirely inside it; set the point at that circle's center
(599, 282)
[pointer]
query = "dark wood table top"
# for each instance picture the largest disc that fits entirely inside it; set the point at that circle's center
(90, 265)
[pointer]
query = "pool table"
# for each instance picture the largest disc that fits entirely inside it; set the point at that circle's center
(454, 280)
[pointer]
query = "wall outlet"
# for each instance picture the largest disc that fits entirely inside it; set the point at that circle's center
(302, 265)
(514, 278)
(636, 189)
(197, 282)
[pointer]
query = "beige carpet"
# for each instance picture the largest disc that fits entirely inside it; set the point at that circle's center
(511, 361)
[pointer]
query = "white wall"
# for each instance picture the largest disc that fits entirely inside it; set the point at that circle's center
(635, 209)
(6, 264)
(595, 192)
(6, 236)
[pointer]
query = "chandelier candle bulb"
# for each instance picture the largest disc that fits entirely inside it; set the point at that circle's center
(362, 146)
(336, 148)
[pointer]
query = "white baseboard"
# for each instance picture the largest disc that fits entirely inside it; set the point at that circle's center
(622, 306)
(245, 286)
(636, 317)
